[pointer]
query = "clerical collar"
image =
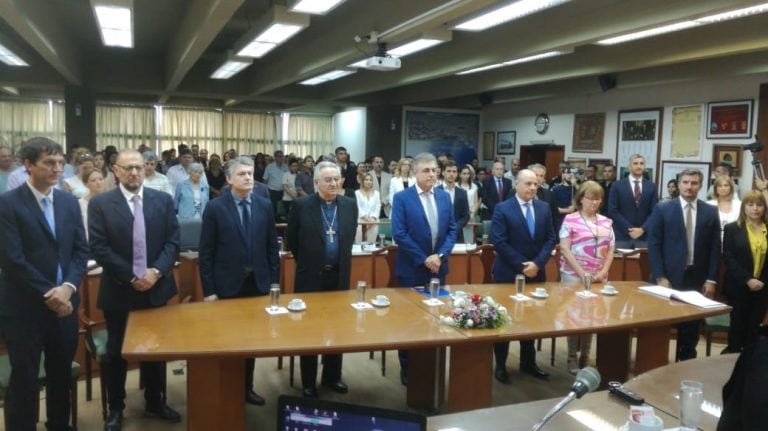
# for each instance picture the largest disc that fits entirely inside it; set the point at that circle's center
(327, 202)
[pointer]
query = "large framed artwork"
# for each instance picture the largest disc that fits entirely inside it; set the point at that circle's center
(588, 131)
(671, 171)
(441, 131)
(729, 120)
(489, 145)
(506, 142)
(686, 132)
(639, 132)
(730, 154)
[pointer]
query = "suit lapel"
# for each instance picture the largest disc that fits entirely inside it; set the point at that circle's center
(316, 216)
(234, 214)
(121, 207)
(34, 207)
(518, 210)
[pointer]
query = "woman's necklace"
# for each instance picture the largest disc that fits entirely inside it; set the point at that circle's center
(589, 228)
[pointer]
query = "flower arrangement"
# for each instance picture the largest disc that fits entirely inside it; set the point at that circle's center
(475, 311)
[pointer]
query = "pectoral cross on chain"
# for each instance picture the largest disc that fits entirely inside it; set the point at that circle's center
(330, 232)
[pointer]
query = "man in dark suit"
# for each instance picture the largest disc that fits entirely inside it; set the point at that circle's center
(425, 231)
(630, 203)
(134, 236)
(43, 256)
(458, 197)
(238, 247)
(494, 190)
(523, 236)
(543, 194)
(320, 233)
(684, 250)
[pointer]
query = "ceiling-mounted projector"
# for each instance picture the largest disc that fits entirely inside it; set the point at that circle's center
(382, 63)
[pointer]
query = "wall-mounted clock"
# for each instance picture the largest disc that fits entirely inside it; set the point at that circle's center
(541, 123)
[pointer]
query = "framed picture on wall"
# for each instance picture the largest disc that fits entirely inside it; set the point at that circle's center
(671, 170)
(730, 154)
(489, 145)
(639, 132)
(729, 120)
(506, 142)
(588, 130)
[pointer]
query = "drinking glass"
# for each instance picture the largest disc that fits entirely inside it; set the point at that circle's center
(520, 284)
(381, 239)
(588, 282)
(361, 286)
(274, 297)
(434, 288)
(691, 398)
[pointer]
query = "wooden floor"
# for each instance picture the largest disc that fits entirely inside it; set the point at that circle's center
(363, 375)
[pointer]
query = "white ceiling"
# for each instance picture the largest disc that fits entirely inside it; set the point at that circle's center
(178, 43)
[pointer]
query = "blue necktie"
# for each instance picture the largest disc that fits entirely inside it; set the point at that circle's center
(529, 218)
(246, 219)
(48, 212)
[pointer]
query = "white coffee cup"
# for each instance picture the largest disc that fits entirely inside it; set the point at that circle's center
(541, 291)
(296, 303)
(650, 423)
(460, 294)
(609, 288)
(382, 299)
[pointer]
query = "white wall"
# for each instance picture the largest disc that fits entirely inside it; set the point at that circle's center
(520, 116)
(349, 132)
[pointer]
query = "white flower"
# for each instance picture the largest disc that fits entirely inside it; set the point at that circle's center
(489, 300)
(458, 302)
(502, 309)
(469, 323)
(447, 320)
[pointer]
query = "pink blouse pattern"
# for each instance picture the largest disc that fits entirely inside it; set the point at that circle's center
(590, 243)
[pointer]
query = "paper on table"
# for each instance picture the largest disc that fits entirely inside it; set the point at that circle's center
(688, 296)
(520, 298)
(361, 306)
(280, 310)
(586, 294)
(433, 302)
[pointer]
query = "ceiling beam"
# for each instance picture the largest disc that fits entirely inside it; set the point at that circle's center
(33, 21)
(202, 22)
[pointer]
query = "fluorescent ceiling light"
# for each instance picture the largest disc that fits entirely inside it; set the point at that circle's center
(10, 90)
(275, 27)
(359, 64)
(315, 7)
(507, 13)
(329, 76)
(516, 61)
(415, 46)
(230, 68)
(8, 57)
(668, 28)
(115, 19)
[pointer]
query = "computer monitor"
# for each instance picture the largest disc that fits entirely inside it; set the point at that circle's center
(309, 414)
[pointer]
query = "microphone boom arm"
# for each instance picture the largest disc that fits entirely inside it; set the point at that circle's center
(554, 410)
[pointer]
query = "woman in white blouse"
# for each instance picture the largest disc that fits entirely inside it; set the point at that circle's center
(74, 184)
(723, 196)
(402, 178)
(368, 209)
(94, 181)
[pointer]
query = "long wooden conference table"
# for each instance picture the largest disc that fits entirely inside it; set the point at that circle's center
(215, 337)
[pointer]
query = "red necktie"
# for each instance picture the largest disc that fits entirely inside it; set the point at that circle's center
(500, 189)
(637, 193)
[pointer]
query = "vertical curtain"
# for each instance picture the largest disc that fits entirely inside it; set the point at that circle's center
(125, 126)
(190, 127)
(20, 121)
(309, 135)
(251, 133)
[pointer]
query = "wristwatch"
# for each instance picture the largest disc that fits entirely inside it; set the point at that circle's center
(441, 255)
(157, 272)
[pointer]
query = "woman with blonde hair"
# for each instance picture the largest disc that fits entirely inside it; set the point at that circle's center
(94, 182)
(83, 166)
(724, 197)
(402, 178)
(368, 209)
(586, 247)
(745, 243)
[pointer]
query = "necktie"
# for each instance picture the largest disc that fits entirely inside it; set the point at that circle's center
(246, 220)
(500, 189)
(48, 212)
(637, 193)
(689, 231)
(431, 218)
(529, 218)
(139, 239)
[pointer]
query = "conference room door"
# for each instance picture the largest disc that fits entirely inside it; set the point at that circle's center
(548, 155)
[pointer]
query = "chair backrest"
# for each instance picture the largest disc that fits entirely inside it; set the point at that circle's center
(189, 232)
(390, 255)
(642, 260)
(487, 254)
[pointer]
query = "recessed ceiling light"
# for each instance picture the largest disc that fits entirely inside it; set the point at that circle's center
(230, 68)
(315, 7)
(8, 57)
(274, 28)
(414, 46)
(517, 61)
(115, 19)
(507, 13)
(328, 76)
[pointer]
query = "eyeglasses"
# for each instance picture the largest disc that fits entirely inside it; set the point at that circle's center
(137, 168)
(331, 180)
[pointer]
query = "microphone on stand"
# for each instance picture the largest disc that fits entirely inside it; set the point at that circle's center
(587, 380)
